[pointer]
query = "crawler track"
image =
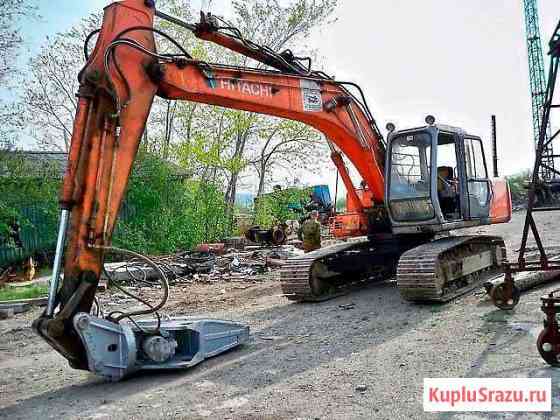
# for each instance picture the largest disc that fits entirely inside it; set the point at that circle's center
(444, 269)
(332, 271)
(299, 281)
(436, 271)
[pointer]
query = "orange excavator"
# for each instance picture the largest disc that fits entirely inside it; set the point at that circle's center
(417, 186)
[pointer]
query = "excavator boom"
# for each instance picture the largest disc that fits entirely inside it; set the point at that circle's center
(317, 102)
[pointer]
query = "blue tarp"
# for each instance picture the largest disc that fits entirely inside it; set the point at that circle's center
(322, 194)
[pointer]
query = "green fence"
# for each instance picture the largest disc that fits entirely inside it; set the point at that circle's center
(29, 183)
(37, 236)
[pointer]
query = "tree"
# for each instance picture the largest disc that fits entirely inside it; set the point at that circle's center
(11, 39)
(11, 124)
(288, 145)
(279, 27)
(49, 95)
(237, 134)
(218, 147)
(518, 186)
(11, 42)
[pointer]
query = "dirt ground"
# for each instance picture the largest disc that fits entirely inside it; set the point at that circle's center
(362, 355)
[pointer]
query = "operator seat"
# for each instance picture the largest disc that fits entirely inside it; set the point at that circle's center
(447, 194)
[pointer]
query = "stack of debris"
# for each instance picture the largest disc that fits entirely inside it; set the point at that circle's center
(212, 264)
(25, 273)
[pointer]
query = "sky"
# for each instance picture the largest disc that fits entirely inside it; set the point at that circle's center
(461, 61)
(60, 15)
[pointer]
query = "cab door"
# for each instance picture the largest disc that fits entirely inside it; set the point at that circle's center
(477, 187)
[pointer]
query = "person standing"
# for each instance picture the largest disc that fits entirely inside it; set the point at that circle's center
(311, 232)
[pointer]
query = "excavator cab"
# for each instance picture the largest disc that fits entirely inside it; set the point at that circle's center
(437, 180)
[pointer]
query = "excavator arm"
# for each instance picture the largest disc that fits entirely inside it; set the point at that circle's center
(122, 76)
(319, 103)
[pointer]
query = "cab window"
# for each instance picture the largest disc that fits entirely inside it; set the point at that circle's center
(478, 186)
(474, 159)
(447, 183)
(409, 179)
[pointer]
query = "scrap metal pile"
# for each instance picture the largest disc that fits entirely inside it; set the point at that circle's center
(186, 267)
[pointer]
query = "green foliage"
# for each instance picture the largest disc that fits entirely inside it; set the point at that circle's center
(24, 185)
(162, 212)
(165, 213)
(280, 205)
(517, 186)
(23, 292)
(199, 152)
(341, 204)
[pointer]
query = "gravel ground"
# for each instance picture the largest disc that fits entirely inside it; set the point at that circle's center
(363, 355)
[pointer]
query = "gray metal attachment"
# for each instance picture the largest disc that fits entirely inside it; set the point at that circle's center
(117, 350)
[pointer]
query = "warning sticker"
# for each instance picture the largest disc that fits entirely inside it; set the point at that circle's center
(311, 96)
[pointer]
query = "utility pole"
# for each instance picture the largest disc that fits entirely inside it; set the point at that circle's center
(494, 147)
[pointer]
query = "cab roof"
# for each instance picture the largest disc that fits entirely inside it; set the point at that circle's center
(441, 127)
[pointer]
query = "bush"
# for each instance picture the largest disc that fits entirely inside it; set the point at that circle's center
(517, 186)
(26, 189)
(280, 205)
(164, 213)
